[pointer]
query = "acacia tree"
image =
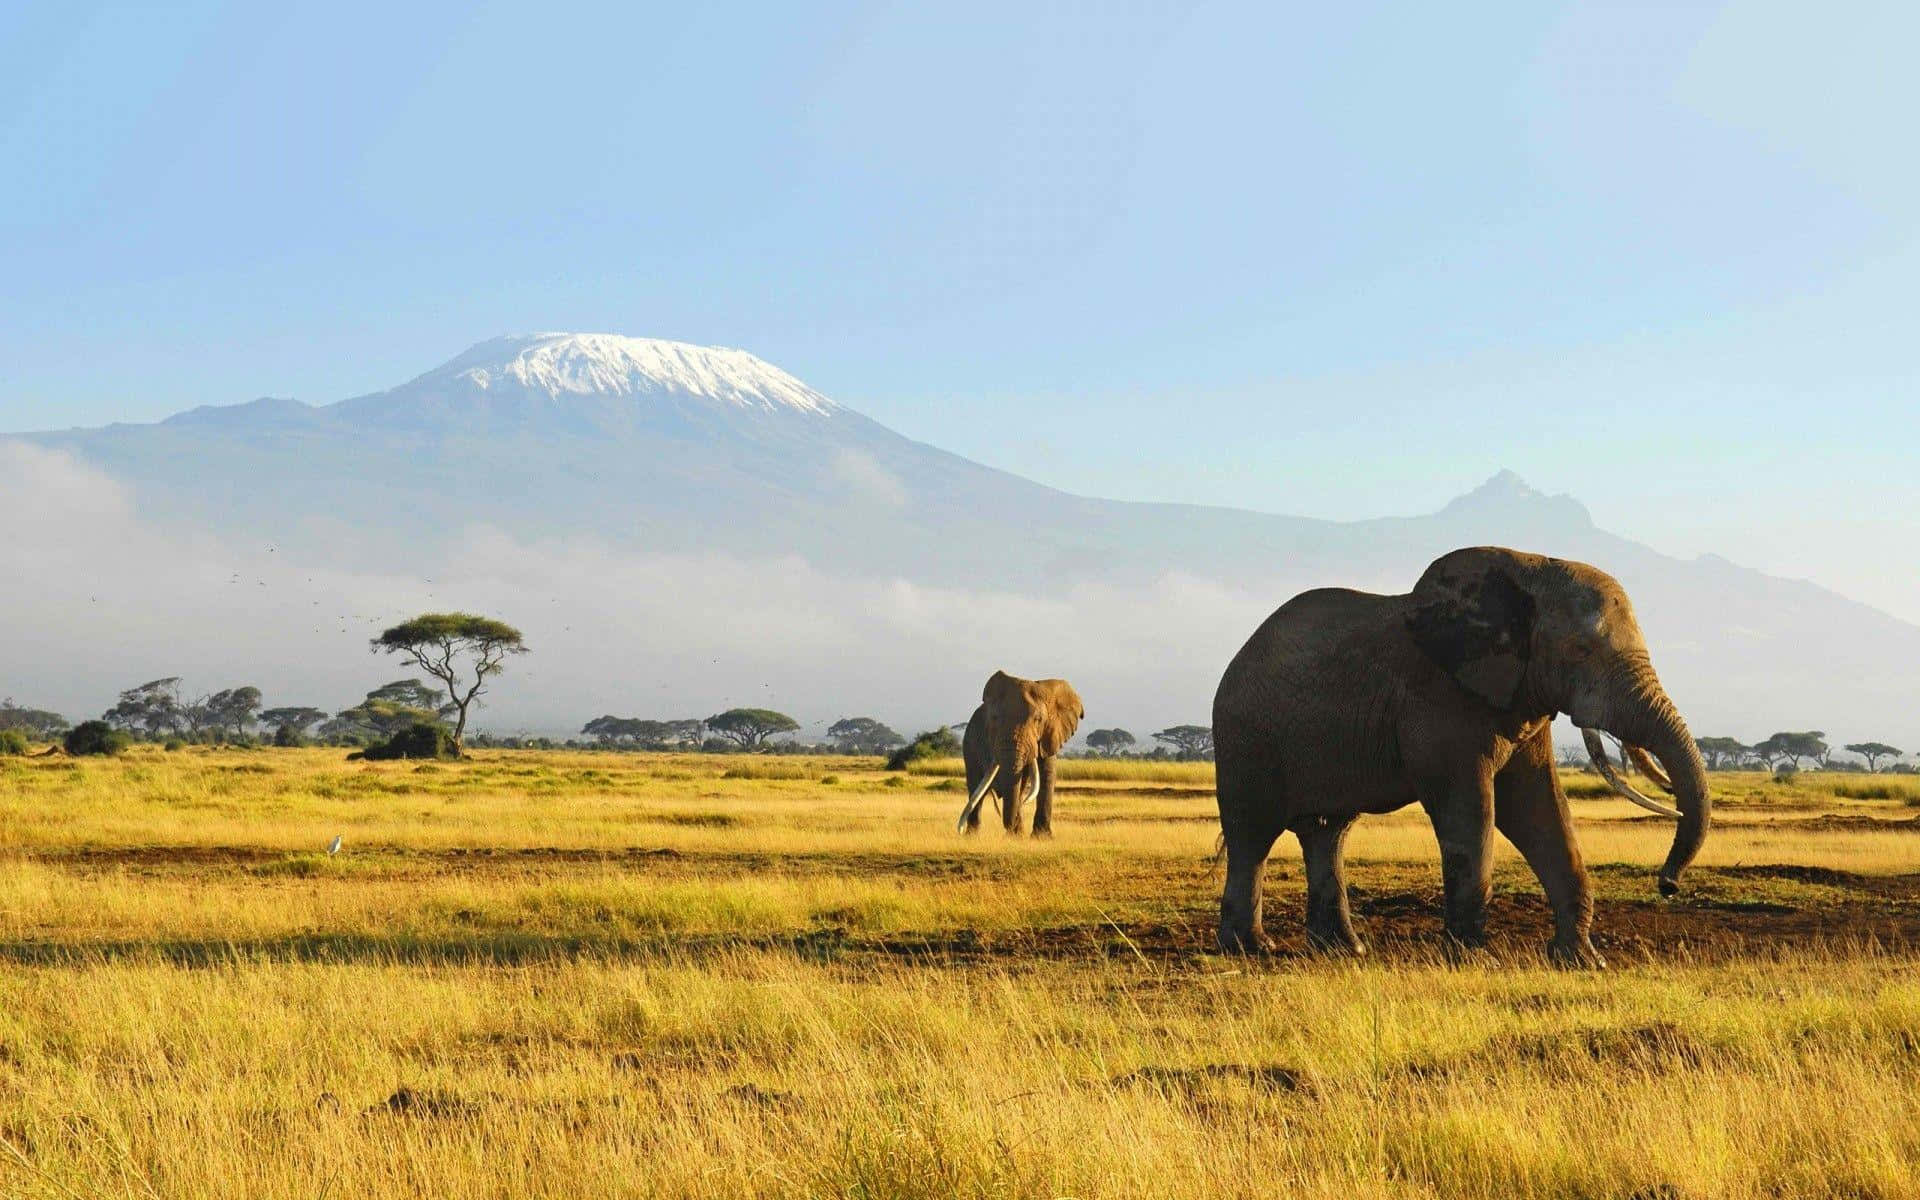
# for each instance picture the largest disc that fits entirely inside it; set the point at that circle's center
(1188, 741)
(296, 718)
(1722, 752)
(863, 735)
(461, 650)
(1792, 747)
(1873, 752)
(152, 709)
(386, 711)
(230, 711)
(749, 728)
(1109, 741)
(641, 734)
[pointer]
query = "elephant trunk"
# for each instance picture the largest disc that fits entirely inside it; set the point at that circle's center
(1643, 716)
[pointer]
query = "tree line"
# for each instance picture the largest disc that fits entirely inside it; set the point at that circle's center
(1796, 751)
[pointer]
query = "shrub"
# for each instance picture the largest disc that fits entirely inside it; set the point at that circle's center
(1785, 773)
(174, 744)
(95, 737)
(419, 740)
(13, 743)
(934, 743)
(288, 737)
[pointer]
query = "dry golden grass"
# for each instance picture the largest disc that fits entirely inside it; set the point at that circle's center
(640, 975)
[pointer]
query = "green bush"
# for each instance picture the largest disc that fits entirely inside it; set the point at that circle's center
(419, 740)
(174, 744)
(287, 737)
(95, 737)
(934, 743)
(13, 743)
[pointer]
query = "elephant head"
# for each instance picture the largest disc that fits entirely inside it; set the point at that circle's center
(1027, 720)
(1534, 636)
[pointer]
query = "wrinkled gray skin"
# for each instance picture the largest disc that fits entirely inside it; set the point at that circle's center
(1345, 703)
(1020, 726)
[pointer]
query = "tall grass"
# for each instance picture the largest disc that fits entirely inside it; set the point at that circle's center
(548, 975)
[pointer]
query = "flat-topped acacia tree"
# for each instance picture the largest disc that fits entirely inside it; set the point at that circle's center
(454, 648)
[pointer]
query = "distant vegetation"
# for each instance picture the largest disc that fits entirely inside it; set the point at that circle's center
(159, 710)
(95, 737)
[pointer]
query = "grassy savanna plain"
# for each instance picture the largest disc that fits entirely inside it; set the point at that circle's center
(534, 974)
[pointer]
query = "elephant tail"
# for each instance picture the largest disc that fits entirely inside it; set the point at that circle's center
(1219, 854)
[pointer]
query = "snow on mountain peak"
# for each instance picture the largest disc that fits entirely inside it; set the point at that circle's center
(610, 364)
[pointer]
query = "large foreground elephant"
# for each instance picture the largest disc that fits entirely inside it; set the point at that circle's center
(1010, 745)
(1345, 703)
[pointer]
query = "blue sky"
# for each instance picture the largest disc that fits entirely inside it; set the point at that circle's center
(1341, 260)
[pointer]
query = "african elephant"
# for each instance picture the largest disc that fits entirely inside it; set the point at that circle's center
(1346, 702)
(1010, 745)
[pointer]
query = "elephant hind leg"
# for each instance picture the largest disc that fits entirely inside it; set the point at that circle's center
(1250, 822)
(1323, 841)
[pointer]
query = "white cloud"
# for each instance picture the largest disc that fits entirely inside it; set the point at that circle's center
(863, 475)
(96, 600)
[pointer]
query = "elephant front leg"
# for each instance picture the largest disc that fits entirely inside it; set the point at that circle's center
(1323, 843)
(1462, 819)
(1043, 802)
(1530, 809)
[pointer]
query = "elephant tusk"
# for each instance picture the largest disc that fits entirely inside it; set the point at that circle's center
(1597, 751)
(1649, 767)
(972, 805)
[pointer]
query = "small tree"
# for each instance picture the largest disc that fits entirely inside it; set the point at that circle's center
(1792, 747)
(386, 711)
(1722, 753)
(934, 743)
(438, 642)
(232, 710)
(1189, 742)
(749, 728)
(1109, 741)
(297, 719)
(863, 735)
(610, 730)
(1873, 752)
(152, 709)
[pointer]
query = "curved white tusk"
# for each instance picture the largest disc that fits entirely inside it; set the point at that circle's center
(1597, 751)
(1650, 767)
(972, 805)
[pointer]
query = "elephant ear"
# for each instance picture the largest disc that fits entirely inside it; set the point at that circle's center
(1472, 618)
(1000, 687)
(1067, 713)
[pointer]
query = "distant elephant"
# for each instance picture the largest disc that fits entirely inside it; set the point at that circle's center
(1010, 745)
(1345, 703)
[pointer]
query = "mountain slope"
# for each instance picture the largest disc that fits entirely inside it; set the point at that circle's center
(651, 447)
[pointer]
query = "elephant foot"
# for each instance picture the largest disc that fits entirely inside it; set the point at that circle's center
(1043, 831)
(1338, 943)
(1575, 954)
(1243, 941)
(1466, 949)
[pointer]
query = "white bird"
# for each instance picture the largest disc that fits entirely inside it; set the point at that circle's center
(333, 847)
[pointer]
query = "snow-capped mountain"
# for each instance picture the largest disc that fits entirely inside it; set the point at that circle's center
(556, 370)
(661, 448)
